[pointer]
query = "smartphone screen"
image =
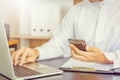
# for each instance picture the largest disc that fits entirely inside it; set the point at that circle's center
(80, 44)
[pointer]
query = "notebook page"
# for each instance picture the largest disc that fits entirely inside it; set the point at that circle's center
(77, 63)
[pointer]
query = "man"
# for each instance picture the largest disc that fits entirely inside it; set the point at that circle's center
(95, 21)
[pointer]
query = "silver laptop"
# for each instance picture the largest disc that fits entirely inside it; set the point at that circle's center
(28, 71)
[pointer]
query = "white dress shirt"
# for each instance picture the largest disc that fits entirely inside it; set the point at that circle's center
(97, 23)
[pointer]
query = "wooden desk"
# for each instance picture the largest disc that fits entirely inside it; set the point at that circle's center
(13, 43)
(72, 75)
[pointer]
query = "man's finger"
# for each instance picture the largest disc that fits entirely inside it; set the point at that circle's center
(16, 55)
(24, 56)
(13, 55)
(29, 59)
(77, 51)
(92, 49)
(79, 57)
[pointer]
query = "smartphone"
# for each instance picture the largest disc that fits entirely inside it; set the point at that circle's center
(80, 44)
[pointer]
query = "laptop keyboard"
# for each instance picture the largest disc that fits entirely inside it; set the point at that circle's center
(21, 71)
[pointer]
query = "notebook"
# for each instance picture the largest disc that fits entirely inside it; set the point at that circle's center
(28, 71)
(90, 67)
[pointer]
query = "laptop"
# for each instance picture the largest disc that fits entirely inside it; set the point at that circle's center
(33, 70)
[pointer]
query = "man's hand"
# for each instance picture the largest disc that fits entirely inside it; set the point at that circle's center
(24, 55)
(92, 54)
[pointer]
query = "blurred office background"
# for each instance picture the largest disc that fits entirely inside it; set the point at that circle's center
(23, 16)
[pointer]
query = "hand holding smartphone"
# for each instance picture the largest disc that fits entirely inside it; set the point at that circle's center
(80, 44)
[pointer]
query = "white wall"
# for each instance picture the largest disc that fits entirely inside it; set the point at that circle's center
(24, 23)
(11, 11)
(1, 10)
(25, 11)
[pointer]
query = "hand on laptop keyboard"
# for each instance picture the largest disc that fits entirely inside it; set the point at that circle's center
(24, 55)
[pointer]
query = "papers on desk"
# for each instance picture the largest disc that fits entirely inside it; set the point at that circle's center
(77, 65)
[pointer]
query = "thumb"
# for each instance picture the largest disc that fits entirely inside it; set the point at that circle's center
(92, 49)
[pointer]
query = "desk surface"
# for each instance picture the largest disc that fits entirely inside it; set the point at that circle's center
(72, 75)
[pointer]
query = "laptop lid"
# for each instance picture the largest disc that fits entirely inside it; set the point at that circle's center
(6, 66)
